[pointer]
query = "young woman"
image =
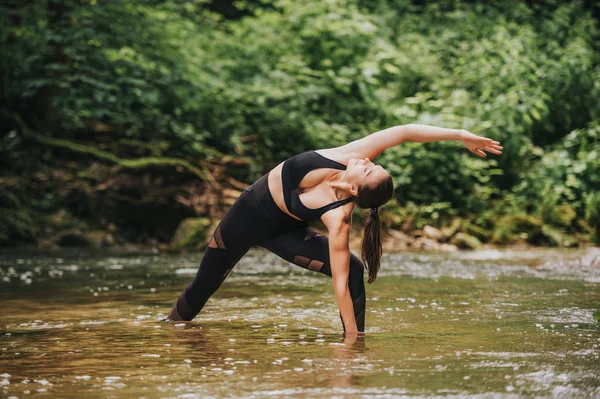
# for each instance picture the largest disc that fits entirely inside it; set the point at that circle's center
(325, 184)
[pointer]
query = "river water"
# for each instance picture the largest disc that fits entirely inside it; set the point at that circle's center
(491, 323)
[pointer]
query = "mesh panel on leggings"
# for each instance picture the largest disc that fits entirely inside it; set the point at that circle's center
(307, 263)
(217, 240)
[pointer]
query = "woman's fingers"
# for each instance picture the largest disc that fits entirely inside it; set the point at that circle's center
(493, 150)
(478, 152)
(481, 144)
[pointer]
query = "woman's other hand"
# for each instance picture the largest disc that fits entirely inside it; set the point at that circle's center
(477, 144)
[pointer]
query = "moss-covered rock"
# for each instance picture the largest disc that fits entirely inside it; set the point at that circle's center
(482, 235)
(554, 236)
(515, 228)
(191, 233)
(449, 231)
(465, 241)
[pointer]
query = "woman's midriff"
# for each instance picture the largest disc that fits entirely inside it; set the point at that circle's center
(265, 204)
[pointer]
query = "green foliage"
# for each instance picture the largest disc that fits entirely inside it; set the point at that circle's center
(566, 180)
(138, 83)
(561, 215)
(518, 228)
(17, 225)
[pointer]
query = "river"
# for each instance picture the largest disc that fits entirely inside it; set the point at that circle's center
(501, 323)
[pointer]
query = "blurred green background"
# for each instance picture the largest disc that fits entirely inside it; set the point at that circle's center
(121, 119)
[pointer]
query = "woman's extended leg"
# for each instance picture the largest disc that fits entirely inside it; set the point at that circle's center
(216, 264)
(234, 236)
(310, 250)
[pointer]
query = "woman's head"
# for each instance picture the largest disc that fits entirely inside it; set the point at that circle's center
(372, 187)
(363, 174)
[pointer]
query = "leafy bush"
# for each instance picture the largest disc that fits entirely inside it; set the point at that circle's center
(179, 79)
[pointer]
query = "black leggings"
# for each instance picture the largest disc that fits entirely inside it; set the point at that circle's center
(256, 220)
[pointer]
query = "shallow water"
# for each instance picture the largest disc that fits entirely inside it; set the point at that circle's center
(468, 324)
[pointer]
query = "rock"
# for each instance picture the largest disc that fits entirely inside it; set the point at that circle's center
(163, 247)
(95, 238)
(47, 244)
(553, 236)
(407, 224)
(191, 233)
(448, 247)
(474, 230)
(449, 231)
(395, 240)
(399, 235)
(108, 240)
(591, 257)
(432, 232)
(111, 228)
(426, 244)
(465, 241)
(73, 238)
(77, 238)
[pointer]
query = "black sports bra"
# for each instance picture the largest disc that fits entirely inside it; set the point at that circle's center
(293, 171)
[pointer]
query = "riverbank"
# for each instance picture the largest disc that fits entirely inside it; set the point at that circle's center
(59, 208)
(393, 241)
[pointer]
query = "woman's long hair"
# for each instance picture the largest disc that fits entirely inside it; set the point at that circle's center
(372, 198)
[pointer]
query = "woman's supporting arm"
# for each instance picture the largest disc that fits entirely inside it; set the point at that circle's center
(339, 260)
(375, 143)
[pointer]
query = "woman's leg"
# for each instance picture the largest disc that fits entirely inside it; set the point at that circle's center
(216, 264)
(310, 250)
(234, 236)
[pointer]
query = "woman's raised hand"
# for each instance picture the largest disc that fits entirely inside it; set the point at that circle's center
(477, 144)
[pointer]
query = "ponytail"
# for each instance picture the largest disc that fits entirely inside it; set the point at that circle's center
(372, 197)
(371, 248)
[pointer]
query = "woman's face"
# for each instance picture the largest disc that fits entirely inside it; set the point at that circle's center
(363, 172)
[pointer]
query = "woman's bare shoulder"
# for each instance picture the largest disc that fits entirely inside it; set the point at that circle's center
(338, 217)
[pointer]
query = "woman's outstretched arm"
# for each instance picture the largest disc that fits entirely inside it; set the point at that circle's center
(374, 144)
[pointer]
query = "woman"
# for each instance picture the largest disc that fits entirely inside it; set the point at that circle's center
(326, 184)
